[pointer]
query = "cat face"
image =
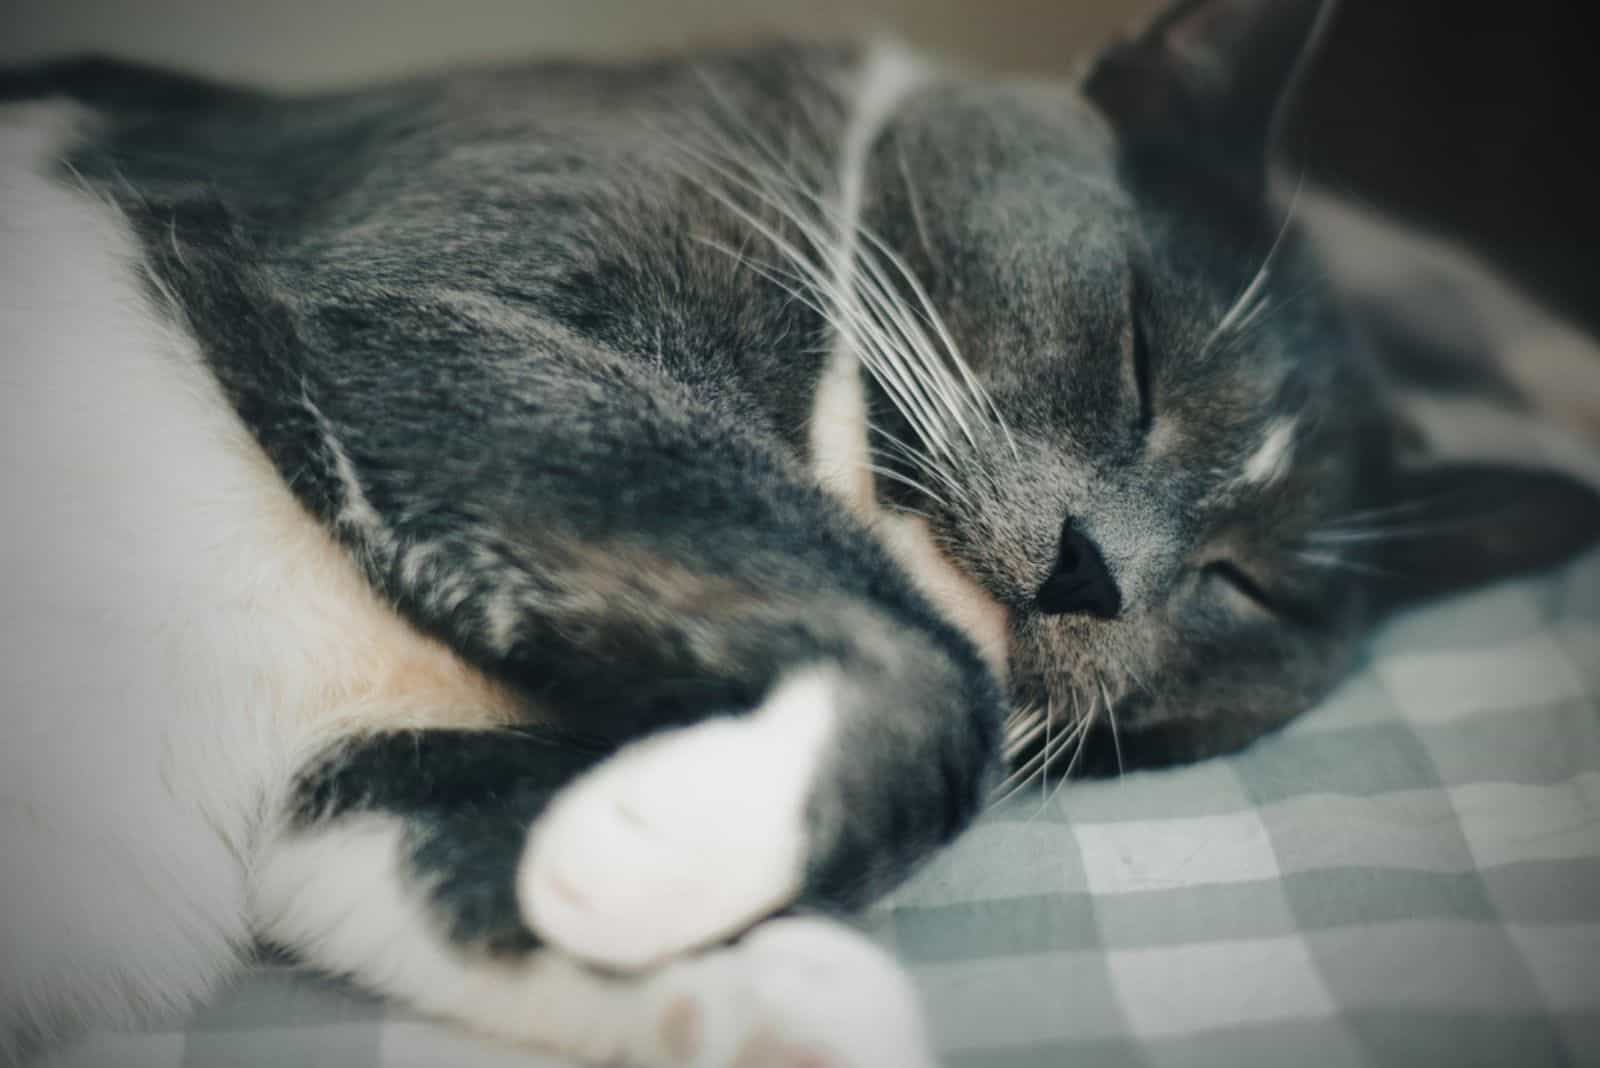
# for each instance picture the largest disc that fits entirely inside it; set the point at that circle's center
(1175, 464)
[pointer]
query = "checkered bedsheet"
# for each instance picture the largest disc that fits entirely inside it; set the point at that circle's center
(1409, 875)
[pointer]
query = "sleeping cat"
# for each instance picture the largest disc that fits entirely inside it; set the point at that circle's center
(500, 534)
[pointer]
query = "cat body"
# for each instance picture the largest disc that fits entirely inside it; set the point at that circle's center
(453, 539)
(237, 639)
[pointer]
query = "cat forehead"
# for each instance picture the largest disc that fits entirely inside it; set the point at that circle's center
(1025, 182)
(1010, 138)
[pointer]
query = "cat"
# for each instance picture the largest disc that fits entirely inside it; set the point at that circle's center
(540, 540)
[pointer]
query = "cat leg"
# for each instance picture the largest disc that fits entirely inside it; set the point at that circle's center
(685, 836)
(801, 727)
(396, 864)
(804, 725)
(798, 725)
(823, 794)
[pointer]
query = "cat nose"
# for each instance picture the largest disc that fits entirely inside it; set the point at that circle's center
(1081, 584)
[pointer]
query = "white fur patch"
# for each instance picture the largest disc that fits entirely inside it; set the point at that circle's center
(181, 632)
(840, 451)
(838, 427)
(356, 511)
(802, 992)
(797, 992)
(338, 894)
(683, 837)
(1270, 461)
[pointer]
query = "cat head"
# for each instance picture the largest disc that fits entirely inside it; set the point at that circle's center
(1176, 465)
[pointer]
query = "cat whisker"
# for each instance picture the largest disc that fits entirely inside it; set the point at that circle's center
(915, 201)
(1044, 779)
(924, 464)
(847, 228)
(1021, 730)
(1072, 737)
(1404, 526)
(937, 497)
(1038, 766)
(906, 400)
(1406, 507)
(1076, 735)
(1245, 306)
(909, 348)
(885, 302)
(930, 315)
(910, 452)
(1251, 315)
(1111, 719)
(1398, 532)
(1137, 679)
(1045, 793)
(903, 509)
(870, 336)
(833, 245)
(741, 123)
(1334, 562)
(872, 285)
(1018, 780)
(895, 476)
(1259, 315)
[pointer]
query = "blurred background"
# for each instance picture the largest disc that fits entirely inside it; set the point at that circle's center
(1474, 120)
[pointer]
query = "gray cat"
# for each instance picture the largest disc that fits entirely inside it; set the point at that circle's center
(502, 535)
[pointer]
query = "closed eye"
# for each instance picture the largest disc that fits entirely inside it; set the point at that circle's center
(1137, 351)
(1141, 376)
(1289, 609)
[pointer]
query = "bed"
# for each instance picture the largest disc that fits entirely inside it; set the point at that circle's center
(1409, 874)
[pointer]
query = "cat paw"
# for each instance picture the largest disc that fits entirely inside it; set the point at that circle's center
(796, 993)
(683, 838)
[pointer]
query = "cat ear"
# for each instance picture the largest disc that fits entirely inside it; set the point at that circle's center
(1208, 79)
(1454, 525)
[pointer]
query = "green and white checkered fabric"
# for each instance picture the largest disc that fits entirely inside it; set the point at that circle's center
(1410, 875)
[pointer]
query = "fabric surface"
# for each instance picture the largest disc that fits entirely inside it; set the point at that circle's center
(1409, 875)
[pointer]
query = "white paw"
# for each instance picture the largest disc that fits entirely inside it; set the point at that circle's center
(683, 838)
(797, 993)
